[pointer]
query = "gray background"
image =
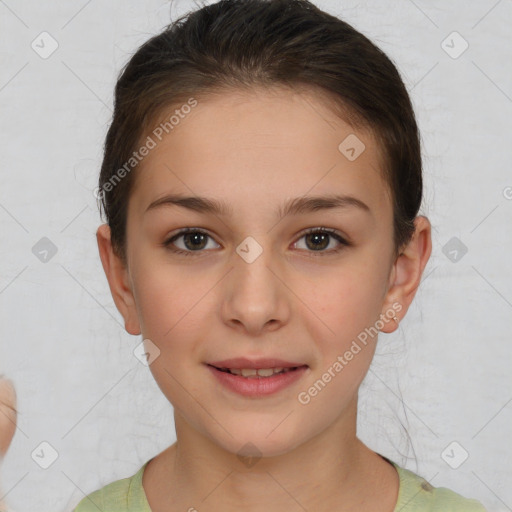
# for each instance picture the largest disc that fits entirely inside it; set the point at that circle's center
(63, 343)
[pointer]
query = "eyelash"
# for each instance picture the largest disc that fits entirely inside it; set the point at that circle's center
(331, 232)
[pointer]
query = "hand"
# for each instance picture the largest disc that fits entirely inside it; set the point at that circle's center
(8, 416)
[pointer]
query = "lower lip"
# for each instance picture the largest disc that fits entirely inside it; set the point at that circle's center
(258, 386)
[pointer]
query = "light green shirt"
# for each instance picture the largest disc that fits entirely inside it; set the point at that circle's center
(415, 494)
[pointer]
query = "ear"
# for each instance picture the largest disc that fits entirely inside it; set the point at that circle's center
(118, 280)
(405, 275)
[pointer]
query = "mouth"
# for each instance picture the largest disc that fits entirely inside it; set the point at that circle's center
(260, 367)
(257, 378)
(255, 373)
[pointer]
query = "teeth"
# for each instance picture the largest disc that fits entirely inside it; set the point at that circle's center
(261, 372)
(267, 372)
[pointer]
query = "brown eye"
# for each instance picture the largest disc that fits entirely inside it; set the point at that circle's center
(318, 239)
(194, 240)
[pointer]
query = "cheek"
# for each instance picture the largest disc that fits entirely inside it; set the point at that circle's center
(173, 307)
(345, 309)
(167, 301)
(350, 311)
(346, 300)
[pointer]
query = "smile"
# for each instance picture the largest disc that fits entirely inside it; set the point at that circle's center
(257, 382)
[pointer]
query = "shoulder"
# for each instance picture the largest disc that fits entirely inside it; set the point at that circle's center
(417, 495)
(123, 495)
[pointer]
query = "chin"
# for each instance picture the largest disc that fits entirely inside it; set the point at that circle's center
(253, 441)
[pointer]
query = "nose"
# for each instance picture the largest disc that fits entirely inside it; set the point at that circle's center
(255, 297)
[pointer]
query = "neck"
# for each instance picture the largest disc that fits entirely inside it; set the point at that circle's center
(332, 471)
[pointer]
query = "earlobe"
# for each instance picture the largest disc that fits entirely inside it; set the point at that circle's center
(405, 276)
(118, 280)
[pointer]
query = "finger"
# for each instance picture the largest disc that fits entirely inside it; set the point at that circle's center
(8, 414)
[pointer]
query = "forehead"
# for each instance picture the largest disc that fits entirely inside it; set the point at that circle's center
(262, 144)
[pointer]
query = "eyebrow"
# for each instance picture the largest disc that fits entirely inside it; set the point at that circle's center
(296, 206)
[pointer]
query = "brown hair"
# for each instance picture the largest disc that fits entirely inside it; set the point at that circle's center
(240, 44)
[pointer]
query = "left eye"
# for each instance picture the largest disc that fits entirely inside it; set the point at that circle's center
(318, 239)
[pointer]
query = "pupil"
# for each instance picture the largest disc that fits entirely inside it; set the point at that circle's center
(193, 236)
(317, 236)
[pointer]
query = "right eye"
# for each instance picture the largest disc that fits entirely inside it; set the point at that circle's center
(194, 241)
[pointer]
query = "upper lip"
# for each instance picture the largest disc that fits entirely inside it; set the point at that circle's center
(265, 362)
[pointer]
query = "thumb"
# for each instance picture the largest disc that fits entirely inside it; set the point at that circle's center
(8, 414)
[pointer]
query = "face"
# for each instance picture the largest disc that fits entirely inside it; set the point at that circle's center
(250, 281)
